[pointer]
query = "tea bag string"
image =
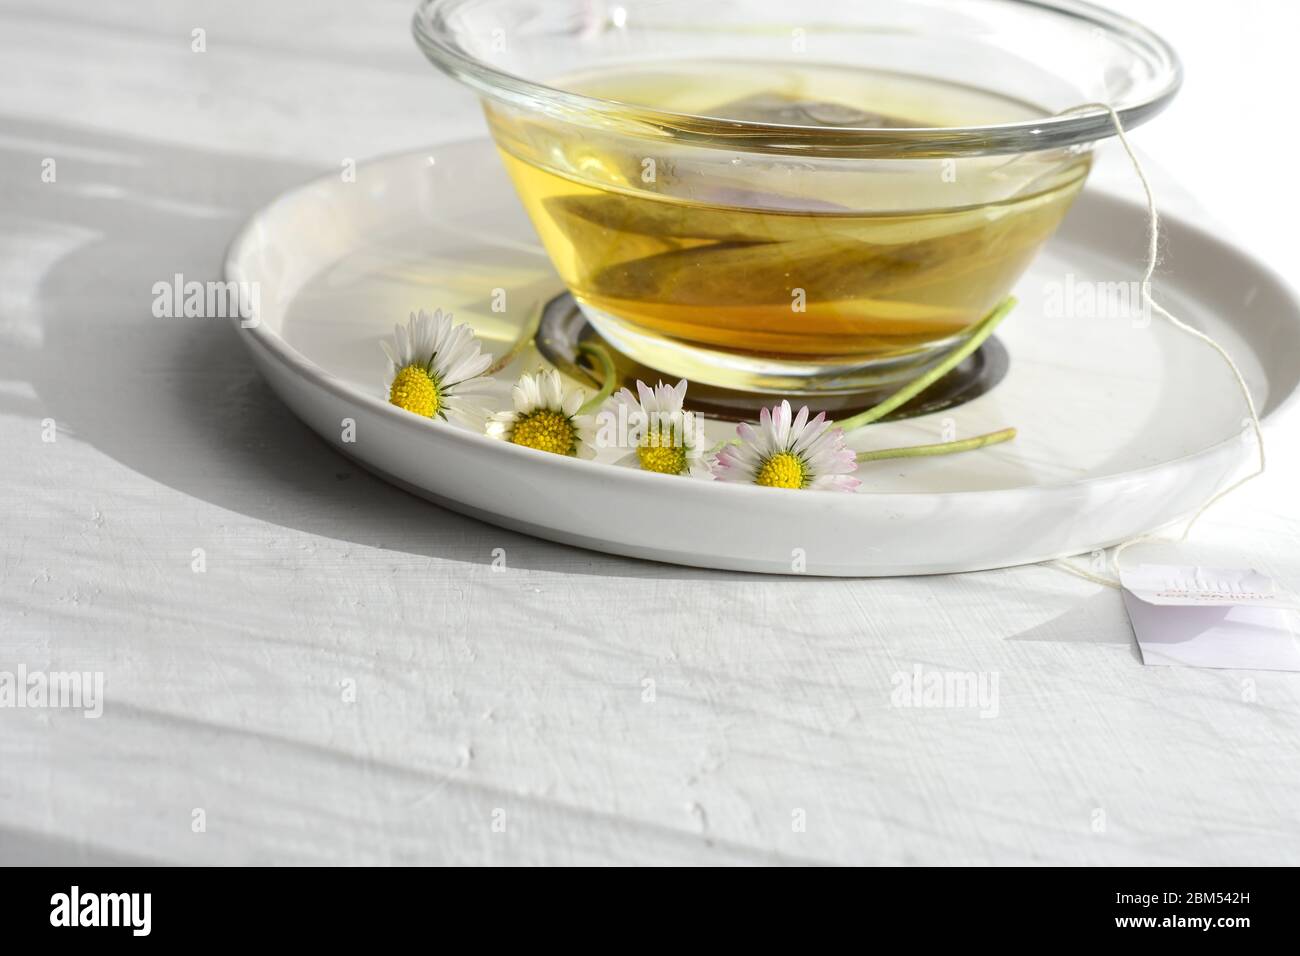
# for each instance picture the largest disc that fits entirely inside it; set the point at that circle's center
(1153, 259)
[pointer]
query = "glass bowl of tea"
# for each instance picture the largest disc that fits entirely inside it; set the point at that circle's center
(798, 198)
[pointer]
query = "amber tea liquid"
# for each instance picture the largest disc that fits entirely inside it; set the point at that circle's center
(839, 261)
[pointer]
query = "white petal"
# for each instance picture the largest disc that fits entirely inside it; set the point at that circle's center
(552, 390)
(781, 419)
(523, 400)
(571, 402)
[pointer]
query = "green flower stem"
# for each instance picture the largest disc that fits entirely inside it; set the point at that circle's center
(947, 448)
(609, 377)
(979, 334)
(525, 338)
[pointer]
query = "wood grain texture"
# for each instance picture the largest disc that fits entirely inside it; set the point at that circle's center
(518, 694)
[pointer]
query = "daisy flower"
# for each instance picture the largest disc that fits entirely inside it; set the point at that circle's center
(668, 439)
(546, 417)
(435, 367)
(787, 451)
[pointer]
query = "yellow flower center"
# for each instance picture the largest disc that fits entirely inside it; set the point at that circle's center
(414, 390)
(545, 430)
(667, 461)
(782, 470)
(662, 450)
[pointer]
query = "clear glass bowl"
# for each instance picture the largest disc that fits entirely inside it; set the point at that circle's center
(799, 198)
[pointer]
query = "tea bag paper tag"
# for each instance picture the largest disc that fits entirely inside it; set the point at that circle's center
(1211, 617)
(1172, 584)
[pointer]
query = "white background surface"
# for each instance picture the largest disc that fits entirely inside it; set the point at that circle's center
(520, 694)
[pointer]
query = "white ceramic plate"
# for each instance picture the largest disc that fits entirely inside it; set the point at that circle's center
(1124, 425)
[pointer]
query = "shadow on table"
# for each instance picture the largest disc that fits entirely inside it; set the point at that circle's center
(176, 399)
(1088, 621)
(24, 848)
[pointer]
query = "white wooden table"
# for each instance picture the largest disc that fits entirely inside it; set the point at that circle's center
(349, 681)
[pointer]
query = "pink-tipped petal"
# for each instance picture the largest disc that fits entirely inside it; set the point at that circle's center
(801, 419)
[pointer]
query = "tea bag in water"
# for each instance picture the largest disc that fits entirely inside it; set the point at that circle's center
(786, 110)
(831, 263)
